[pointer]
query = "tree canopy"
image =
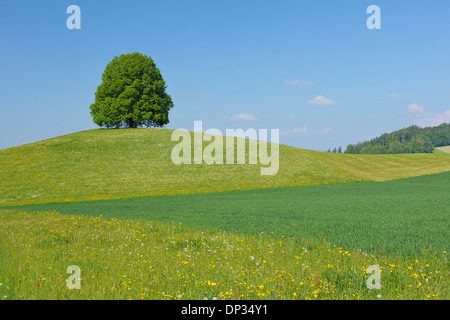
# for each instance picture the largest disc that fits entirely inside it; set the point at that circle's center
(408, 140)
(132, 94)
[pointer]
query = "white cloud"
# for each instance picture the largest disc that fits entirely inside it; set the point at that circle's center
(396, 96)
(300, 130)
(321, 101)
(291, 82)
(242, 116)
(434, 120)
(327, 130)
(415, 108)
(301, 83)
(295, 130)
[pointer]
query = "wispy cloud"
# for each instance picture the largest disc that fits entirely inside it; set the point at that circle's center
(300, 130)
(415, 108)
(327, 130)
(434, 120)
(321, 101)
(241, 116)
(395, 96)
(301, 83)
(295, 130)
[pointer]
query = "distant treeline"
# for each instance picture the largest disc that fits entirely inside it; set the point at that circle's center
(409, 140)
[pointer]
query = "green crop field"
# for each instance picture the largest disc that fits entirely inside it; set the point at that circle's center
(396, 217)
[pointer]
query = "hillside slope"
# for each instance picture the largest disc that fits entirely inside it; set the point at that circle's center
(120, 163)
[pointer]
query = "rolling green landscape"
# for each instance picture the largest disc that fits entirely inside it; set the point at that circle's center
(111, 164)
(140, 227)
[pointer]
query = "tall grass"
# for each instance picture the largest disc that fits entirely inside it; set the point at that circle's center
(123, 259)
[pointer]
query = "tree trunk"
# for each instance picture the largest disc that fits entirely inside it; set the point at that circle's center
(130, 123)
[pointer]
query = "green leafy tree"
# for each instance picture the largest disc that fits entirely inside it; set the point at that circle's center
(395, 147)
(351, 149)
(132, 94)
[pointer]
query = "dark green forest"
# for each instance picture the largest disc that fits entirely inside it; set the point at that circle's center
(408, 140)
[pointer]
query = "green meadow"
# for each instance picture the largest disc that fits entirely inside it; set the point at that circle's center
(140, 227)
(123, 163)
(122, 259)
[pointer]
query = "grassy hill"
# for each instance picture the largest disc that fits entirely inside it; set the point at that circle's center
(121, 163)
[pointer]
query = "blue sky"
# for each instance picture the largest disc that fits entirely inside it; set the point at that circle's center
(311, 69)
